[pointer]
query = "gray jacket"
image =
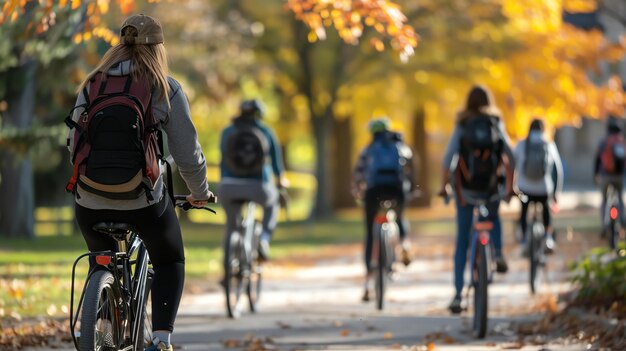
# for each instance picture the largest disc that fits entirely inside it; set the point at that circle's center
(182, 141)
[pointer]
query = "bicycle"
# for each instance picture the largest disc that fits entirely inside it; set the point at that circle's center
(612, 217)
(114, 310)
(243, 268)
(386, 236)
(482, 264)
(536, 236)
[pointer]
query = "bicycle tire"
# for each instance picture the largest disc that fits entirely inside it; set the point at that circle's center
(253, 287)
(480, 293)
(144, 336)
(233, 280)
(613, 234)
(532, 258)
(99, 304)
(381, 271)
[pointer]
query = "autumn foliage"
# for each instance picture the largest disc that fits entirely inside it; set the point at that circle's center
(350, 17)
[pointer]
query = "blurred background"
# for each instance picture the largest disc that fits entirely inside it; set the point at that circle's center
(323, 69)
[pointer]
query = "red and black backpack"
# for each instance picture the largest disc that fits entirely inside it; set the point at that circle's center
(116, 150)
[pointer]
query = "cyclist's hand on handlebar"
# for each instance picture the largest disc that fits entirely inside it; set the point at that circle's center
(197, 202)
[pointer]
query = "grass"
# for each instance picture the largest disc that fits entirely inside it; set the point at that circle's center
(35, 276)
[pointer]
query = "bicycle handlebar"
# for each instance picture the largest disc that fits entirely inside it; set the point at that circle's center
(181, 202)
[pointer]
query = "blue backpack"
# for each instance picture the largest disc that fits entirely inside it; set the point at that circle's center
(384, 165)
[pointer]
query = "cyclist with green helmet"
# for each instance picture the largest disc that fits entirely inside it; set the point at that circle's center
(384, 171)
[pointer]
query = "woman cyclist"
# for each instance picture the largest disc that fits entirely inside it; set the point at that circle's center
(537, 162)
(471, 181)
(141, 56)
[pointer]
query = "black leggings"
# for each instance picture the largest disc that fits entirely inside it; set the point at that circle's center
(159, 229)
(543, 200)
(373, 197)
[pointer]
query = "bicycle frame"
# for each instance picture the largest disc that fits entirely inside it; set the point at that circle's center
(132, 287)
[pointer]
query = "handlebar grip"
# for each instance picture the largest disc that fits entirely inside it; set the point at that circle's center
(211, 200)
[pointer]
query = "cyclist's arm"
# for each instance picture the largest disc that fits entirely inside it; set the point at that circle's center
(558, 166)
(276, 155)
(450, 157)
(80, 100)
(597, 162)
(358, 174)
(518, 154)
(183, 144)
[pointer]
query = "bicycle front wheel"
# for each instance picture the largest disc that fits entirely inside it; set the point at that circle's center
(253, 288)
(381, 270)
(99, 324)
(233, 275)
(480, 292)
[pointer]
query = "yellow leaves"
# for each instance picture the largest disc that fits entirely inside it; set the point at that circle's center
(103, 6)
(75, 4)
(349, 17)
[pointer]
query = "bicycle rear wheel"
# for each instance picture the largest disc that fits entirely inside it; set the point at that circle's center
(533, 247)
(144, 327)
(99, 324)
(253, 288)
(614, 234)
(233, 279)
(381, 270)
(480, 292)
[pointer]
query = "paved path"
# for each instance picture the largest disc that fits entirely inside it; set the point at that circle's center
(317, 306)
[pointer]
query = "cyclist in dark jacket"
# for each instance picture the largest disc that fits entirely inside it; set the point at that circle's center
(261, 185)
(154, 216)
(479, 104)
(367, 184)
(605, 177)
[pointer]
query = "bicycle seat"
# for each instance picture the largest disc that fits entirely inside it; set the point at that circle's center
(114, 229)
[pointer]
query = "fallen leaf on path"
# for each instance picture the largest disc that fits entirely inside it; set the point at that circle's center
(337, 324)
(431, 346)
(388, 335)
(283, 325)
(232, 343)
(345, 332)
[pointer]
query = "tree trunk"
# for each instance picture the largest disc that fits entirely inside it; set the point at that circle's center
(420, 161)
(17, 205)
(342, 164)
(322, 129)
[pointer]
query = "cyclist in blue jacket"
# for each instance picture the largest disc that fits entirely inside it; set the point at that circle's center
(251, 169)
(384, 171)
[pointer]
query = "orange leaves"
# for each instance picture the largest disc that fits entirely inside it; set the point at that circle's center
(350, 17)
(576, 6)
(46, 14)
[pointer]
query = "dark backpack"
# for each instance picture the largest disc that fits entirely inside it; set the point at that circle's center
(116, 154)
(384, 164)
(480, 153)
(245, 150)
(613, 155)
(535, 159)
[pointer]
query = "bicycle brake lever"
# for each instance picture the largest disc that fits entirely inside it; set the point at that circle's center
(209, 209)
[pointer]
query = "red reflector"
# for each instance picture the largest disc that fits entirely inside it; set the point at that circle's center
(483, 238)
(380, 219)
(614, 213)
(103, 260)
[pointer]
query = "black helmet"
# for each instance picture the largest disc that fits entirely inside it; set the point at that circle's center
(252, 108)
(614, 125)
